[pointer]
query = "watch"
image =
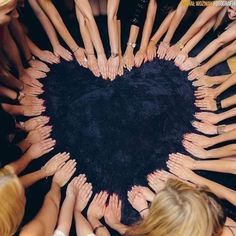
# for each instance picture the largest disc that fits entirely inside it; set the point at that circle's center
(114, 54)
(132, 45)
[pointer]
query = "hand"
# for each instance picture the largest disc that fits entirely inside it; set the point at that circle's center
(199, 140)
(206, 93)
(137, 200)
(128, 59)
(35, 122)
(55, 163)
(208, 117)
(113, 65)
(121, 66)
(32, 91)
(145, 191)
(39, 65)
(189, 64)
(39, 134)
(93, 65)
(103, 66)
(81, 57)
(97, 207)
(197, 73)
(151, 51)
(30, 100)
(181, 58)
(63, 175)
(30, 81)
(48, 57)
(112, 214)
(205, 128)
(34, 110)
(172, 52)
(83, 196)
(39, 149)
(60, 51)
(140, 57)
(162, 49)
(206, 104)
(35, 74)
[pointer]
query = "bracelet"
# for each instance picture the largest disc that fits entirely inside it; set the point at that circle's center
(22, 124)
(19, 96)
(97, 228)
(74, 51)
(114, 54)
(151, 40)
(143, 210)
(218, 105)
(221, 129)
(31, 58)
(132, 45)
(181, 45)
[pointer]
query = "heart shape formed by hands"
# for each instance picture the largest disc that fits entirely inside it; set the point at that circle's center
(122, 130)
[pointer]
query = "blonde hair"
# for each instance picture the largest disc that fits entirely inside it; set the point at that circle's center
(12, 203)
(179, 210)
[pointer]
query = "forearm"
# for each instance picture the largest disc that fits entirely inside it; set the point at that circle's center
(10, 81)
(228, 102)
(147, 30)
(227, 114)
(86, 11)
(30, 179)
(163, 28)
(46, 23)
(10, 48)
(19, 35)
(177, 18)
(24, 144)
(88, 44)
(134, 30)
(6, 92)
(112, 7)
(222, 152)
(227, 136)
(66, 215)
(35, 50)
(221, 56)
(218, 189)
(83, 228)
(223, 166)
(56, 19)
(19, 165)
(227, 84)
(198, 37)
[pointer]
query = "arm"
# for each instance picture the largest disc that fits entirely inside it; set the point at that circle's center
(221, 56)
(223, 166)
(6, 92)
(218, 189)
(223, 39)
(176, 20)
(44, 223)
(80, 221)
(228, 102)
(225, 85)
(9, 80)
(202, 19)
(56, 19)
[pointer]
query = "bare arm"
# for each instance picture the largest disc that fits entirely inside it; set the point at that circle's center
(56, 19)
(31, 178)
(176, 20)
(80, 221)
(6, 92)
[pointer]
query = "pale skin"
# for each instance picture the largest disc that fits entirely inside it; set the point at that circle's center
(199, 152)
(141, 55)
(152, 49)
(96, 212)
(34, 123)
(210, 129)
(224, 166)
(56, 19)
(83, 196)
(85, 9)
(44, 223)
(58, 50)
(164, 48)
(67, 209)
(223, 39)
(219, 57)
(212, 118)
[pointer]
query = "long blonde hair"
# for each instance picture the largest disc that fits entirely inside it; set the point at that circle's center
(12, 203)
(179, 210)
